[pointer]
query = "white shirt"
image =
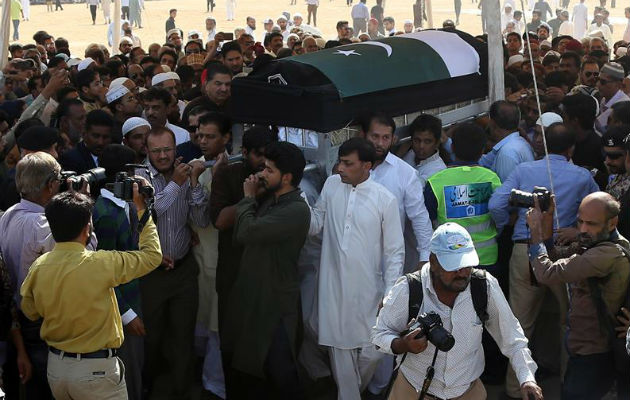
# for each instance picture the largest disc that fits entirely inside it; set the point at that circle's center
(426, 168)
(181, 134)
(312, 2)
(566, 28)
(404, 183)
(360, 11)
(606, 109)
(465, 361)
(211, 35)
(605, 31)
(626, 34)
(362, 257)
(249, 30)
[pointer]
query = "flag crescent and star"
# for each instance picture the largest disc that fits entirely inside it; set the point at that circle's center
(407, 60)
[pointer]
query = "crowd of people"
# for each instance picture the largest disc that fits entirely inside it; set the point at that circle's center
(138, 256)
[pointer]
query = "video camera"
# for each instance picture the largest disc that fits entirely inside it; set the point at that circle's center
(122, 187)
(521, 199)
(431, 325)
(92, 177)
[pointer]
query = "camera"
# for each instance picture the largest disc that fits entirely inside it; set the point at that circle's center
(431, 325)
(521, 199)
(123, 187)
(92, 177)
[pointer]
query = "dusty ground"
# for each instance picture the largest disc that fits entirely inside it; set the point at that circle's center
(74, 22)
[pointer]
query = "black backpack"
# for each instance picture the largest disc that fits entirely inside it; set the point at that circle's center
(478, 291)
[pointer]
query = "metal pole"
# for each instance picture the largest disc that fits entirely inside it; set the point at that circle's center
(429, 7)
(5, 23)
(117, 28)
(492, 15)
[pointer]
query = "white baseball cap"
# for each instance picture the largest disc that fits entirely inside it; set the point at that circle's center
(453, 247)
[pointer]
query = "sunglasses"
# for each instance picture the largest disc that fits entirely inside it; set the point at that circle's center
(589, 74)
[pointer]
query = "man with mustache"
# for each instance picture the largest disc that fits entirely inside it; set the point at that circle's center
(98, 134)
(597, 277)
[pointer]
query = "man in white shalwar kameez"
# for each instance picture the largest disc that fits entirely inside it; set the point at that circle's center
(26, 9)
(580, 20)
(362, 256)
(229, 10)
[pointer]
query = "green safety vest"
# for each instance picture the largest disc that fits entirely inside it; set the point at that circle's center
(463, 194)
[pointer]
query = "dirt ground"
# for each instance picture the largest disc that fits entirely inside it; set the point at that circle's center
(74, 22)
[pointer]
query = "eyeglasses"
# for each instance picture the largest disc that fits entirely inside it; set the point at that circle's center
(588, 74)
(158, 151)
(615, 155)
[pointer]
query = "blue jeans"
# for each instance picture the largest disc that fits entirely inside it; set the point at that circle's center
(16, 25)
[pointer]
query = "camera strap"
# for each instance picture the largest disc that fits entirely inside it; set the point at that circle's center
(429, 377)
(145, 217)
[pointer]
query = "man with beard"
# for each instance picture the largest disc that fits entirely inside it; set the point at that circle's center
(597, 275)
(226, 192)
(134, 132)
(272, 222)
(570, 183)
(98, 134)
(615, 160)
(445, 282)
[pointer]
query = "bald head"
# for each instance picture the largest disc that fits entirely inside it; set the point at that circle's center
(603, 202)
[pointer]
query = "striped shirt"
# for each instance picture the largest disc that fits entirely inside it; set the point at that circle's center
(174, 207)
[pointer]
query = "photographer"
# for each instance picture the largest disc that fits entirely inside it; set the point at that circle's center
(82, 325)
(447, 292)
(596, 270)
(116, 226)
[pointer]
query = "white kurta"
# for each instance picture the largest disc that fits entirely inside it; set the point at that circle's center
(580, 20)
(626, 34)
(362, 256)
(605, 29)
(105, 6)
(26, 9)
(229, 9)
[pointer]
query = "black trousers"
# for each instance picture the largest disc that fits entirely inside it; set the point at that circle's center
(281, 374)
(125, 12)
(58, 5)
(37, 387)
(93, 12)
(588, 377)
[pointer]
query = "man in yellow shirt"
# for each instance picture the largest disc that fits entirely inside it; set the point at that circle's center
(16, 15)
(72, 289)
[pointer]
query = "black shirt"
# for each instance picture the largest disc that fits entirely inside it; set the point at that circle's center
(588, 154)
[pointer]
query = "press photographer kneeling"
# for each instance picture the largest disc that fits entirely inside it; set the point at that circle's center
(448, 291)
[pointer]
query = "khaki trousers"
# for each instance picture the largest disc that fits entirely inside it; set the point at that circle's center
(526, 301)
(403, 390)
(87, 378)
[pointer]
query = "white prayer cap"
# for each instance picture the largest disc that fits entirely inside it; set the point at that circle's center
(515, 59)
(193, 33)
(545, 43)
(297, 15)
(118, 82)
(549, 118)
(163, 76)
(73, 61)
(85, 63)
(282, 18)
(133, 123)
(621, 51)
(293, 35)
(408, 21)
(210, 18)
(126, 39)
(173, 31)
(268, 21)
(116, 93)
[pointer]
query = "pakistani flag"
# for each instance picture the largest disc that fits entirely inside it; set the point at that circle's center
(395, 61)
(328, 89)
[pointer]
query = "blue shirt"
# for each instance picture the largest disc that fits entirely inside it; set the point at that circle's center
(507, 154)
(571, 184)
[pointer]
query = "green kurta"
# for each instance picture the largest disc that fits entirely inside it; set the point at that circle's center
(267, 290)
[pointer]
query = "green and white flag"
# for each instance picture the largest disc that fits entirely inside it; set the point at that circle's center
(394, 62)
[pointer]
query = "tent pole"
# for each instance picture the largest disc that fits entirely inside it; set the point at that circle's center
(117, 28)
(492, 21)
(5, 23)
(429, 8)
